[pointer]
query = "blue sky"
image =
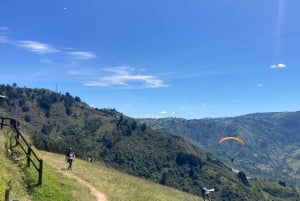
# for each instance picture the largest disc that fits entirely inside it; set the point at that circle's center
(150, 58)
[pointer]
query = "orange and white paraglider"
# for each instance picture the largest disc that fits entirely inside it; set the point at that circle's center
(239, 140)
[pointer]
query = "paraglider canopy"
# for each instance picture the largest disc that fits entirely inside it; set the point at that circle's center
(231, 138)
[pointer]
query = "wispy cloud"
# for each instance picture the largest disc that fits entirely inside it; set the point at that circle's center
(3, 28)
(82, 55)
(280, 65)
(259, 85)
(37, 47)
(127, 77)
(4, 39)
(43, 48)
(163, 112)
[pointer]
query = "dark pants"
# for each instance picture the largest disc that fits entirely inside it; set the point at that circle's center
(70, 161)
(206, 196)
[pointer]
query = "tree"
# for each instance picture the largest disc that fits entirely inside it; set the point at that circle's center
(242, 176)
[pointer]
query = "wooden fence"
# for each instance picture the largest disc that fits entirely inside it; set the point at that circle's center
(25, 146)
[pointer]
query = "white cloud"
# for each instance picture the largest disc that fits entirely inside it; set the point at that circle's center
(82, 55)
(37, 47)
(259, 85)
(164, 112)
(3, 39)
(42, 48)
(280, 65)
(126, 76)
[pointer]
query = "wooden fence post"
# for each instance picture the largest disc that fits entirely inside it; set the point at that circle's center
(40, 172)
(14, 125)
(2, 123)
(28, 156)
(17, 137)
(7, 195)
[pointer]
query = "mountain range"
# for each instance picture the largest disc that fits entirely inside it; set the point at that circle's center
(57, 121)
(272, 141)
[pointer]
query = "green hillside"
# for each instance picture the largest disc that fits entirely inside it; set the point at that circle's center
(23, 180)
(87, 181)
(272, 141)
(57, 121)
(96, 181)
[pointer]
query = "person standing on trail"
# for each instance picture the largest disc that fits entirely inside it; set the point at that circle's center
(70, 155)
(205, 192)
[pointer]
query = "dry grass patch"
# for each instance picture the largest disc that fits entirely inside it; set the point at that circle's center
(115, 185)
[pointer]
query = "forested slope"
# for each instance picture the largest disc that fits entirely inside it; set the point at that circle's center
(57, 121)
(272, 141)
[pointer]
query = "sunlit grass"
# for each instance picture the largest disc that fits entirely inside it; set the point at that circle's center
(10, 172)
(118, 186)
(56, 186)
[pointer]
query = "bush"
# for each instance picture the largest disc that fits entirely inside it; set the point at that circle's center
(27, 118)
(282, 183)
(242, 176)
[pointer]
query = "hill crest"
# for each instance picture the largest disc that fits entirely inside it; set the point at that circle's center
(56, 122)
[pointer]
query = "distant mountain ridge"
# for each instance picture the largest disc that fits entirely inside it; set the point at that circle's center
(57, 121)
(272, 141)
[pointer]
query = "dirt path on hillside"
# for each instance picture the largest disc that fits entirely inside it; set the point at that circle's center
(100, 196)
(57, 164)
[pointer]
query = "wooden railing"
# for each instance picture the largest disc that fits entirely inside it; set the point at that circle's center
(25, 146)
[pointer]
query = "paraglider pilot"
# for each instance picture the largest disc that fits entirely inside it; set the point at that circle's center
(205, 192)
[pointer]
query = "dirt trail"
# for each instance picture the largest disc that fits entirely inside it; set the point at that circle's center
(100, 196)
(57, 164)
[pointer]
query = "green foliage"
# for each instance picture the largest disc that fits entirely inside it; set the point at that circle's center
(275, 191)
(61, 121)
(185, 158)
(52, 189)
(22, 180)
(11, 175)
(271, 147)
(115, 184)
(27, 118)
(282, 183)
(242, 176)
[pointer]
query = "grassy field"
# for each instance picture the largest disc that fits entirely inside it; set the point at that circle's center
(87, 181)
(24, 179)
(92, 182)
(115, 185)
(10, 173)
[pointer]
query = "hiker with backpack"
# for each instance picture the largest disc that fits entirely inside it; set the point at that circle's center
(70, 156)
